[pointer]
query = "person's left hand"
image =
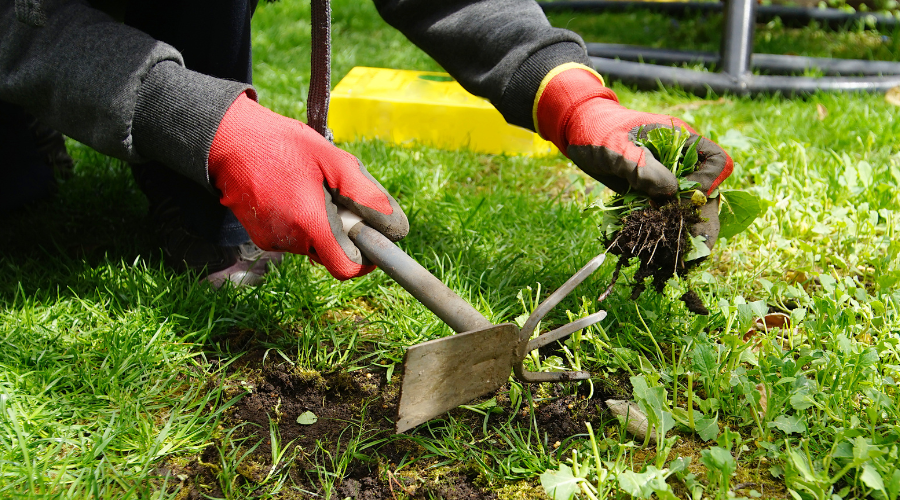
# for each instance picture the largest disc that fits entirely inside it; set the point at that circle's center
(284, 183)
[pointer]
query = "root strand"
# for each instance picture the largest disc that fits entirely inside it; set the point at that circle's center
(615, 276)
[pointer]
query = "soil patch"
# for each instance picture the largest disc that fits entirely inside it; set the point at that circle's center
(352, 411)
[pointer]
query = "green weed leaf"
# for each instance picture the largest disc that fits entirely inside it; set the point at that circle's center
(737, 211)
(893, 485)
(560, 484)
(698, 248)
(720, 459)
(667, 145)
(707, 427)
(307, 418)
(515, 394)
(863, 451)
(802, 467)
(644, 484)
(788, 425)
(652, 401)
(801, 401)
(691, 157)
(720, 465)
(871, 477)
(680, 464)
(703, 359)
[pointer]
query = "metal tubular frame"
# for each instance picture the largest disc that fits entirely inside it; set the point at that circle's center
(790, 16)
(628, 63)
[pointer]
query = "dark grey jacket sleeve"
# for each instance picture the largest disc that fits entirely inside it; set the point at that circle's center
(497, 49)
(109, 86)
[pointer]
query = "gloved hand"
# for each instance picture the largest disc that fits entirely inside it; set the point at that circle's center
(583, 118)
(282, 179)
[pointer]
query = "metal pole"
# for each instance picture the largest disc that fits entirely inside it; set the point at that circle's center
(650, 76)
(790, 16)
(737, 37)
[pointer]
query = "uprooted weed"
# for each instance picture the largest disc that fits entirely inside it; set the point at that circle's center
(659, 238)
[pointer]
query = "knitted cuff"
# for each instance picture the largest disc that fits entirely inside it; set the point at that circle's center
(177, 114)
(518, 96)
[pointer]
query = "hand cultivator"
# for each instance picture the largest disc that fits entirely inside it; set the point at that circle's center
(441, 374)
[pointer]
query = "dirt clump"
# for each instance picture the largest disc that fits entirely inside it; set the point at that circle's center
(659, 238)
(694, 303)
(558, 419)
(349, 449)
(564, 413)
(451, 487)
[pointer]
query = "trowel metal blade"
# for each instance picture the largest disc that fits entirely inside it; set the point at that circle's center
(441, 374)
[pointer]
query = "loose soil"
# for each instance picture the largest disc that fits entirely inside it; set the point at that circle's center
(659, 239)
(349, 406)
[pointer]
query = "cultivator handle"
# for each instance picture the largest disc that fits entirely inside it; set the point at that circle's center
(415, 279)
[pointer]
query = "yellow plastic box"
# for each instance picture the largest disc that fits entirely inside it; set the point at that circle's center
(405, 107)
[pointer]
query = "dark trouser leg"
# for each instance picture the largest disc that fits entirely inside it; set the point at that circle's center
(214, 38)
(30, 154)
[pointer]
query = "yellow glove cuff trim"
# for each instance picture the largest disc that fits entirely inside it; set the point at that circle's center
(546, 81)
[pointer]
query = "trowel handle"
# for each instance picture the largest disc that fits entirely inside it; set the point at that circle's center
(430, 291)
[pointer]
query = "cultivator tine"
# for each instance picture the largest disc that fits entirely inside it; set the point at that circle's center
(527, 344)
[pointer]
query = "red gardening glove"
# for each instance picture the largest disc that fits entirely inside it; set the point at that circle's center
(584, 119)
(575, 111)
(282, 179)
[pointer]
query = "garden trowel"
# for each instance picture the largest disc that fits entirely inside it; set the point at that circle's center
(441, 374)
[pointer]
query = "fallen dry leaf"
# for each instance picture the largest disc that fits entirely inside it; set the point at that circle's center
(766, 323)
(892, 96)
(763, 399)
(794, 277)
(822, 111)
(774, 320)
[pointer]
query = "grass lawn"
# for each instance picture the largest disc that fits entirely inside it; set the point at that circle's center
(122, 378)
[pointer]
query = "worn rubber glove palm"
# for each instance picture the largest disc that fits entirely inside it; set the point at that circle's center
(583, 118)
(282, 179)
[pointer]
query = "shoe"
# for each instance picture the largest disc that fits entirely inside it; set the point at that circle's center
(242, 265)
(171, 199)
(249, 270)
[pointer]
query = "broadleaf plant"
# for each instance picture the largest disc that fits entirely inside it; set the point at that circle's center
(738, 209)
(634, 226)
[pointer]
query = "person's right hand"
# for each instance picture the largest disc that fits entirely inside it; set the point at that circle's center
(575, 111)
(583, 118)
(282, 179)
